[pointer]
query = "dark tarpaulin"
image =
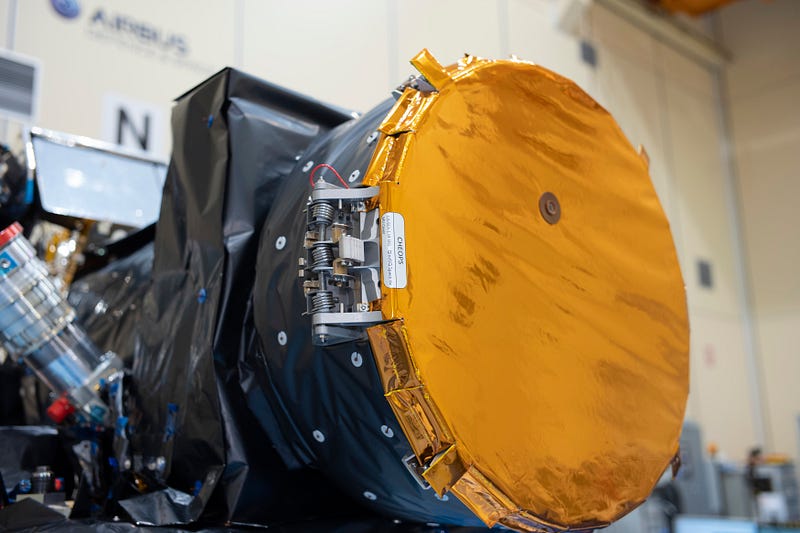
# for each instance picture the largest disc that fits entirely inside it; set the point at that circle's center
(235, 139)
(108, 302)
(31, 516)
(329, 401)
(23, 448)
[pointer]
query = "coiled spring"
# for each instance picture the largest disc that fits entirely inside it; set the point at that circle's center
(322, 301)
(322, 213)
(322, 255)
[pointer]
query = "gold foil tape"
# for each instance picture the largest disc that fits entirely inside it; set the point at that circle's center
(537, 358)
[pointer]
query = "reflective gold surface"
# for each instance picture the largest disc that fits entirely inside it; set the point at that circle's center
(540, 369)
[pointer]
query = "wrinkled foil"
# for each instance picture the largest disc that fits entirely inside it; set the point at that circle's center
(539, 370)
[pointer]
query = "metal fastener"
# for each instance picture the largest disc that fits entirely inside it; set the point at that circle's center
(354, 176)
(280, 242)
(308, 166)
(318, 436)
(550, 208)
(282, 338)
(356, 359)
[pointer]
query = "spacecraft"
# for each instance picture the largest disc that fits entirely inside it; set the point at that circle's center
(462, 307)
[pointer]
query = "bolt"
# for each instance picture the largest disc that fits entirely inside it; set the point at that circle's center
(280, 242)
(549, 208)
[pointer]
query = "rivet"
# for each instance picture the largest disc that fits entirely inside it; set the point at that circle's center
(387, 431)
(280, 242)
(370, 496)
(356, 359)
(550, 208)
(354, 176)
(308, 166)
(372, 136)
(282, 338)
(318, 435)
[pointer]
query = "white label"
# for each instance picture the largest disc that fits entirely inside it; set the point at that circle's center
(134, 124)
(393, 250)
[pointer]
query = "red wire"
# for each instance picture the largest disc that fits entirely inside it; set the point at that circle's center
(325, 165)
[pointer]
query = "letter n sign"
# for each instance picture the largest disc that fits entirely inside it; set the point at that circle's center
(134, 124)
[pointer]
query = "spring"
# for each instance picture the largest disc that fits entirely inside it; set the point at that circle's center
(322, 255)
(322, 301)
(322, 213)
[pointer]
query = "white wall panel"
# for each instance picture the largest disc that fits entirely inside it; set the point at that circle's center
(719, 399)
(763, 86)
(335, 51)
(779, 336)
(4, 12)
(702, 205)
(767, 134)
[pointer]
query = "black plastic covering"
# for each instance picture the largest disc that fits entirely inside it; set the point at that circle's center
(236, 139)
(23, 448)
(321, 390)
(108, 302)
(31, 516)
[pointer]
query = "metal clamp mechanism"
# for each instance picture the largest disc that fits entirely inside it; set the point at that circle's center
(341, 270)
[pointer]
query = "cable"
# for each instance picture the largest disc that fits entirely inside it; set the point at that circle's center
(325, 165)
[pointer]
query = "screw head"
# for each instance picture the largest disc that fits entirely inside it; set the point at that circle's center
(550, 208)
(280, 242)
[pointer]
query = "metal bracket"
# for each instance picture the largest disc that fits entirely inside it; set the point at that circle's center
(341, 268)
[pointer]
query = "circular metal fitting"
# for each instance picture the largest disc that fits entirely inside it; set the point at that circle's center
(370, 496)
(356, 359)
(387, 431)
(354, 176)
(550, 208)
(318, 436)
(282, 338)
(308, 166)
(280, 242)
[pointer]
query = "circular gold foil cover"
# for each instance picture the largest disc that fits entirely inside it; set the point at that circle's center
(540, 368)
